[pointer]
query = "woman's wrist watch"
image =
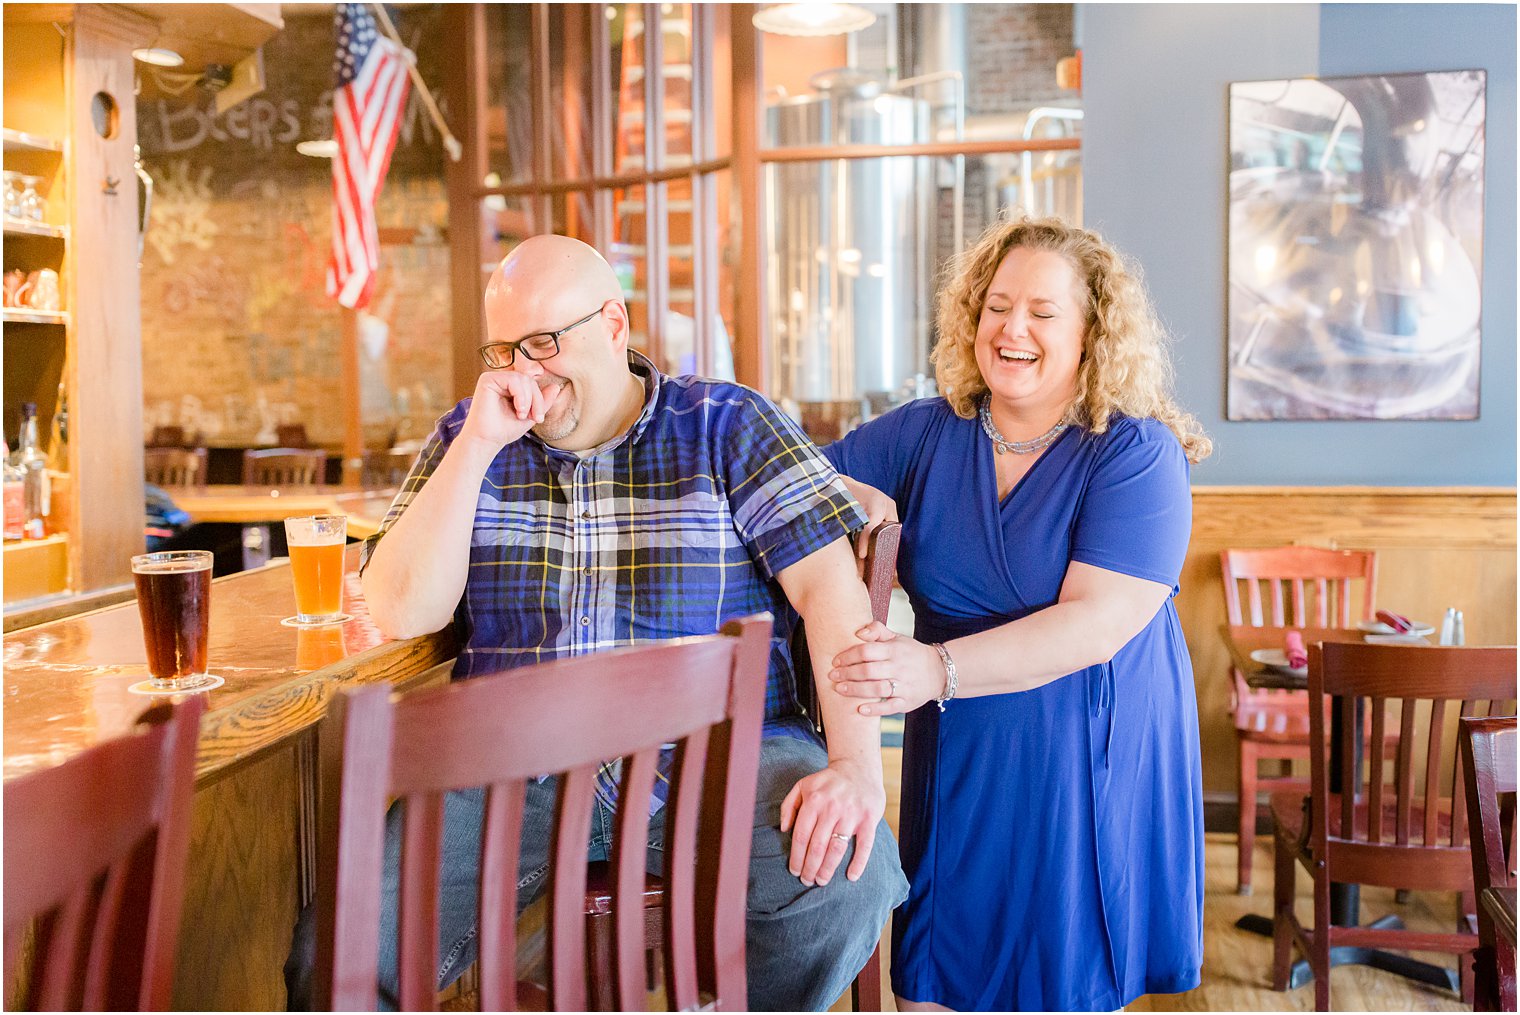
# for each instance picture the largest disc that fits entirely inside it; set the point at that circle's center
(951, 681)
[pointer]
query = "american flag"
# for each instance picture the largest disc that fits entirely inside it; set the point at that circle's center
(368, 100)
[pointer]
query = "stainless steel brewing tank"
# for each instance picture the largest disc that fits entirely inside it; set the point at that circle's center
(849, 311)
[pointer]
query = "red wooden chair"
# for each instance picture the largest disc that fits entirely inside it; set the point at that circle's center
(1287, 586)
(175, 468)
(1411, 834)
(1488, 754)
(879, 572)
(291, 435)
(705, 694)
(284, 466)
(95, 855)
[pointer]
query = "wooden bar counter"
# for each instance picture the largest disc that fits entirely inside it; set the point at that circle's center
(253, 836)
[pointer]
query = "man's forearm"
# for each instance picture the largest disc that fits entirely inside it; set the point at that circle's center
(417, 573)
(834, 604)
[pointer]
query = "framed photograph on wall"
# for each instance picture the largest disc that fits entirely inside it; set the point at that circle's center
(1355, 247)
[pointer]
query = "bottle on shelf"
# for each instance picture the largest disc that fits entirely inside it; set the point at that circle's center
(36, 485)
(15, 499)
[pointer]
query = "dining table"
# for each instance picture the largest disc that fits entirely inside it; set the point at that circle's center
(1249, 646)
(262, 505)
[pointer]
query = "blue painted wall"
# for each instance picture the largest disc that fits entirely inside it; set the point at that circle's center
(1155, 151)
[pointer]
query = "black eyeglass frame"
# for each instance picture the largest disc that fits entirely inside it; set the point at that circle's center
(514, 347)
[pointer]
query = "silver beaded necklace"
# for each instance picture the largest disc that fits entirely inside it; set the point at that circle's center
(1004, 445)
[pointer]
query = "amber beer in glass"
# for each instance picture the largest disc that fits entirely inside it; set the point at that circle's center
(174, 598)
(316, 562)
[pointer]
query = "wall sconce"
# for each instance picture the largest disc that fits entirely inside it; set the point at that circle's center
(158, 57)
(813, 19)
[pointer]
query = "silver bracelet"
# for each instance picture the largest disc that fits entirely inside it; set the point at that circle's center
(951, 681)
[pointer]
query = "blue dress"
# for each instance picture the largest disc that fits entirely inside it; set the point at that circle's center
(1053, 838)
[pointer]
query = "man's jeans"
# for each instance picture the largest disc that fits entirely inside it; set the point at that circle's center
(803, 945)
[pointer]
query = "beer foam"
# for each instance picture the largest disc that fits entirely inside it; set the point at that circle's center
(316, 539)
(172, 567)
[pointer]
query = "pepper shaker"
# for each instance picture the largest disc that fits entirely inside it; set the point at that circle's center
(1459, 637)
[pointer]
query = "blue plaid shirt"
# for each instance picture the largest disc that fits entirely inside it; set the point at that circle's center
(665, 531)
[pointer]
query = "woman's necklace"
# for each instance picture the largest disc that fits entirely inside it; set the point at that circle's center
(1004, 445)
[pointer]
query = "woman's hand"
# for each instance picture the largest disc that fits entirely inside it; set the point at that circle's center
(894, 674)
(878, 506)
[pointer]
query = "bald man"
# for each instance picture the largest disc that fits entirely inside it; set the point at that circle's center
(533, 515)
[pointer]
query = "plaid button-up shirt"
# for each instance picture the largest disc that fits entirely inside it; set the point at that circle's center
(666, 531)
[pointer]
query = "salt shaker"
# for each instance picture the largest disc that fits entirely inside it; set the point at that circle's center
(1449, 626)
(1458, 637)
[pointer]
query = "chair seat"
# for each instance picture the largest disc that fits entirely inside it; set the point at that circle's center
(1288, 812)
(599, 889)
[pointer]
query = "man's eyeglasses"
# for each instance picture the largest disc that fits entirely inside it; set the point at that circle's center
(540, 345)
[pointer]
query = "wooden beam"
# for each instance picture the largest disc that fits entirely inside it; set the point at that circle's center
(465, 84)
(351, 393)
(749, 324)
(819, 153)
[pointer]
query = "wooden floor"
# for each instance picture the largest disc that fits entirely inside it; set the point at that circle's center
(1236, 965)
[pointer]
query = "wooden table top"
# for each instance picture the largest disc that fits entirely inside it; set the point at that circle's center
(66, 682)
(1500, 903)
(246, 505)
(1243, 639)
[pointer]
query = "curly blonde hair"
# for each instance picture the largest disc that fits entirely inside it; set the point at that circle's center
(1124, 366)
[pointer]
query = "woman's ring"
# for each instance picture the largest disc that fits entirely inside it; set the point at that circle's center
(842, 838)
(893, 692)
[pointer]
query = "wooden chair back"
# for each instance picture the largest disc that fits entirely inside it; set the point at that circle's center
(879, 574)
(1488, 752)
(387, 467)
(291, 435)
(1410, 830)
(169, 437)
(95, 853)
(175, 468)
(284, 466)
(1299, 586)
(565, 718)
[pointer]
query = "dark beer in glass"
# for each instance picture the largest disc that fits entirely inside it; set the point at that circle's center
(174, 598)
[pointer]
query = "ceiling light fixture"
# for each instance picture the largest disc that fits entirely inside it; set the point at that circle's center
(158, 57)
(813, 19)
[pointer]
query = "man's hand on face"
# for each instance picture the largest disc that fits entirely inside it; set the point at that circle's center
(507, 404)
(844, 799)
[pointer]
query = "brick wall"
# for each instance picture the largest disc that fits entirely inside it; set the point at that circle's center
(238, 332)
(1013, 54)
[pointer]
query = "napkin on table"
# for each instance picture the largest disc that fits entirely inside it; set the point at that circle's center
(1293, 648)
(1400, 624)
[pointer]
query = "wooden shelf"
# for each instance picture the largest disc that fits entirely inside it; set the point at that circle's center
(21, 315)
(21, 141)
(27, 227)
(36, 567)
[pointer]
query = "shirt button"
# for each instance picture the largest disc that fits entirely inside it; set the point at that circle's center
(585, 514)
(587, 571)
(585, 621)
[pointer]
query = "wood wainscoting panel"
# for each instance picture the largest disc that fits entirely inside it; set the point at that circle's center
(1437, 547)
(241, 893)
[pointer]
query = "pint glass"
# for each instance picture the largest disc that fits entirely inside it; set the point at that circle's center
(174, 599)
(316, 563)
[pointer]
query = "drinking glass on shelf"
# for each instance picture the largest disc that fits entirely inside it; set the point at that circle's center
(316, 566)
(31, 205)
(174, 599)
(13, 190)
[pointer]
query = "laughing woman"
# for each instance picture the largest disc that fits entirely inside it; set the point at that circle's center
(1052, 821)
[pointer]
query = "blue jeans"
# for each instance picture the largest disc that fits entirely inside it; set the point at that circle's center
(803, 945)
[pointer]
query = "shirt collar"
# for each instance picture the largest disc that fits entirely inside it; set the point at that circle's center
(650, 376)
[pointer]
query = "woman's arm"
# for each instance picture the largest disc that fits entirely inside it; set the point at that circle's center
(1097, 614)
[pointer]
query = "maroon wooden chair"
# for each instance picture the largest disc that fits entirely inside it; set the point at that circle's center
(1410, 833)
(1488, 754)
(284, 466)
(386, 467)
(175, 468)
(172, 437)
(879, 572)
(95, 855)
(291, 435)
(1286, 586)
(565, 718)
